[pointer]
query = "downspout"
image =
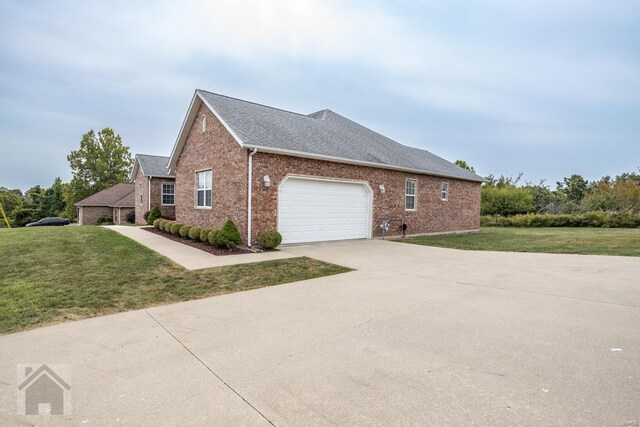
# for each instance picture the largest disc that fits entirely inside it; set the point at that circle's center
(149, 194)
(249, 186)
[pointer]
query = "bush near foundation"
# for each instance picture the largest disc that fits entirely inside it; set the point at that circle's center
(194, 233)
(213, 238)
(204, 234)
(229, 236)
(175, 228)
(154, 214)
(184, 231)
(156, 223)
(167, 226)
(269, 239)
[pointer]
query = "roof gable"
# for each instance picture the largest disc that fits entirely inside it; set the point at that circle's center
(151, 165)
(322, 135)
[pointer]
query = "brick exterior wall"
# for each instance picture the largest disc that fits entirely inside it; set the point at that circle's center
(90, 214)
(460, 212)
(156, 196)
(217, 150)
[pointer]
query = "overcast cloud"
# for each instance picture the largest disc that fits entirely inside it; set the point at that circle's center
(548, 88)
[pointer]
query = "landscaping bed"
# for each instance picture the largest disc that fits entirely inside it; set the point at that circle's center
(200, 245)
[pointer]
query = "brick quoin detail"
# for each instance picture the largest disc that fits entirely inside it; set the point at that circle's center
(216, 149)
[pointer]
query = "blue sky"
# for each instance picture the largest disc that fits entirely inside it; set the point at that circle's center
(548, 88)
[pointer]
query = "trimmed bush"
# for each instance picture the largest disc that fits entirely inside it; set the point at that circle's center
(175, 228)
(213, 238)
(229, 236)
(269, 239)
(154, 214)
(588, 219)
(105, 219)
(156, 223)
(194, 233)
(204, 234)
(184, 231)
(161, 224)
(146, 216)
(167, 226)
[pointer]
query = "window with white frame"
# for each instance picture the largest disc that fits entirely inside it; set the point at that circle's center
(444, 191)
(410, 195)
(204, 123)
(203, 189)
(140, 187)
(168, 194)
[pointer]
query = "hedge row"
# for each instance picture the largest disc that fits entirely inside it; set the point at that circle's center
(588, 219)
(226, 237)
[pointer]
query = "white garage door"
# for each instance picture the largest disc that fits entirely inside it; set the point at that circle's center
(312, 210)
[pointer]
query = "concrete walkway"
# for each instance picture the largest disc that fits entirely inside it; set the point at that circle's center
(190, 257)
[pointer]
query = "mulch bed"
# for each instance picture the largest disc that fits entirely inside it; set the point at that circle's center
(200, 245)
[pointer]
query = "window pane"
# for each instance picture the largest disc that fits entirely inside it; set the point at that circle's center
(200, 201)
(411, 187)
(208, 198)
(208, 180)
(410, 202)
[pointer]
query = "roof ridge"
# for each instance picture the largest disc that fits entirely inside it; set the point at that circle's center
(252, 102)
(151, 155)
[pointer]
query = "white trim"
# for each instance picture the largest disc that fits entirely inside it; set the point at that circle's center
(249, 191)
(195, 199)
(324, 178)
(203, 123)
(351, 162)
(415, 194)
(149, 194)
(196, 101)
(446, 192)
(162, 183)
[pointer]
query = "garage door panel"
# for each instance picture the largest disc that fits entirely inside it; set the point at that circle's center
(316, 210)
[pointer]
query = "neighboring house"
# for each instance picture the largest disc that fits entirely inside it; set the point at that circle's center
(115, 202)
(155, 186)
(315, 177)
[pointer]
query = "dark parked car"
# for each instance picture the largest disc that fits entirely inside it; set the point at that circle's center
(49, 221)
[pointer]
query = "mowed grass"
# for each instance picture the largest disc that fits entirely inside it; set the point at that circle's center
(584, 241)
(54, 274)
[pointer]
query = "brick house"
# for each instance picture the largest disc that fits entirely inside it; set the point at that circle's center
(154, 186)
(315, 177)
(115, 202)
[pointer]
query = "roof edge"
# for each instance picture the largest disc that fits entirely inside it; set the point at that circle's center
(355, 162)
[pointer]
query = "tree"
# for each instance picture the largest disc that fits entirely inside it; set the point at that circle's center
(53, 203)
(101, 162)
(574, 187)
(465, 165)
(507, 200)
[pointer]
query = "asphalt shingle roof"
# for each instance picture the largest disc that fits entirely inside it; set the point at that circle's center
(324, 133)
(120, 195)
(154, 165)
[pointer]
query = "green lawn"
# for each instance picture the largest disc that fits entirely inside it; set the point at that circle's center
(584, 241)
(53, 274)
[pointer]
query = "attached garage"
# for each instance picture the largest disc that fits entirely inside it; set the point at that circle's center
(315, 210)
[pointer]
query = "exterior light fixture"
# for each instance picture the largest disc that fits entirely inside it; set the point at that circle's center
(382, 188)
(267, 181)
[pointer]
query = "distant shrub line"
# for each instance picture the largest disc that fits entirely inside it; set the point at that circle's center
(587, 219)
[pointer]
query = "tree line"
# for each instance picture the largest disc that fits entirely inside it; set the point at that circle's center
(101, 161)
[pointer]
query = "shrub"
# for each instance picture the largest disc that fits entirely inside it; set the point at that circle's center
(204, 234)
(184, 231)
(587, 219)
(175, 228)
(154, 214)
(105, 219)
(161, 224)
(131, 217)
(194, 233)
(269, 239)
(157, 222)
(167, 226)
(146, 216)
(229, 236)
(213, 238)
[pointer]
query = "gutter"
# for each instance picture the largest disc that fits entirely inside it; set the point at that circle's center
(149, 194)
(249, 192)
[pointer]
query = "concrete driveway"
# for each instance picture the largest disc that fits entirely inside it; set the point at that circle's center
(415, 336)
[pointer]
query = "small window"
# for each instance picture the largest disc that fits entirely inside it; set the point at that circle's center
(203, 189)
(140, 187)
(204, 123)
(168, 194)
(410, 195)
(444, 191)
